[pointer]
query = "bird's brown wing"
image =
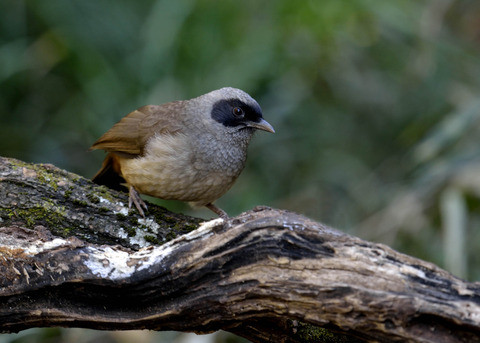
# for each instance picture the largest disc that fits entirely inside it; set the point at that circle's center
(130, 135)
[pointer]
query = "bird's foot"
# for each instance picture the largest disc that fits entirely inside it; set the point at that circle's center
(221, 213)
(134, 197)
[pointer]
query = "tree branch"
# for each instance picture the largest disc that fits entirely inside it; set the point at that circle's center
(71, 255)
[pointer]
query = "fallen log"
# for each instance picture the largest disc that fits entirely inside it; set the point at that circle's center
(72, 255)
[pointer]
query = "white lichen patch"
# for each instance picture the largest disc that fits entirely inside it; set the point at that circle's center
(107, 262)
(114, 263)
(150, 224)
(120, 207)
(139, 238)
(122, 233)
(40, 247)
(102, 199)
(123, 210)
(150, 228)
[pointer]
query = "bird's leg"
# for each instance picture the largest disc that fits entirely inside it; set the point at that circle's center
(134, 197)
(221, 213)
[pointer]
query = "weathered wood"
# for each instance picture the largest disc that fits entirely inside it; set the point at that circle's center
(70, 256)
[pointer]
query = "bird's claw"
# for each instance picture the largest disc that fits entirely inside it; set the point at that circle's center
(134, 197)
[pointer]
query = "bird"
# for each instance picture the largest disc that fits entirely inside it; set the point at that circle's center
(189, 150)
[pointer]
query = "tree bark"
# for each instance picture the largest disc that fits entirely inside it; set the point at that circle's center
(72, 255)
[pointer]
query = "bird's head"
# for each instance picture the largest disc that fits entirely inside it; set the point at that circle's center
(234, 108)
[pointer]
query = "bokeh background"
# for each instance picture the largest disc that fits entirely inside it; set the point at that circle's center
(375, 103)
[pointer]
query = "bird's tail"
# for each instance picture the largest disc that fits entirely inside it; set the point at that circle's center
(110, 174)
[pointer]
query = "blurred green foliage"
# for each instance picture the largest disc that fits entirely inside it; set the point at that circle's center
(375, 103)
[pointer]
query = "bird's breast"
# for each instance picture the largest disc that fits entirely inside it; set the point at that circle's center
(175, 167)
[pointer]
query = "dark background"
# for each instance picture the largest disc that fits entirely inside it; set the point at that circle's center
(375, 103)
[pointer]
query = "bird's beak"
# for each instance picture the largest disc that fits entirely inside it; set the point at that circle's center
(261, 125)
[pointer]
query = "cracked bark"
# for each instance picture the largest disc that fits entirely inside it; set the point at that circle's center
(71, 255)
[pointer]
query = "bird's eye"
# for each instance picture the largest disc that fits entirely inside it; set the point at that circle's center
(237, 111)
